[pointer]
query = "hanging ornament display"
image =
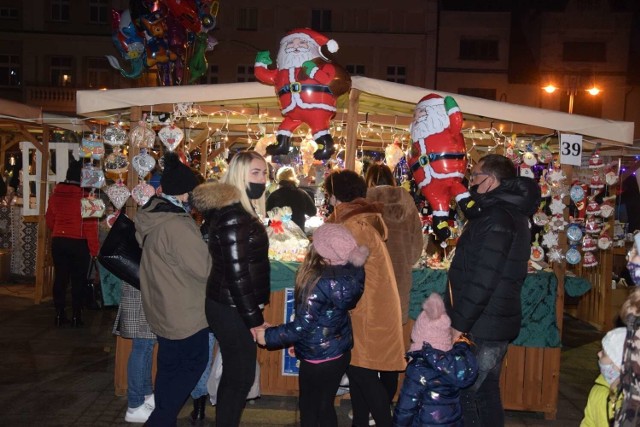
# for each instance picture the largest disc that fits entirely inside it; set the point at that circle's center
(611, 177)
(550, 239)
(557, 223)
(557, 206)
(537, 253)
(142, 192)
(511, 151)
(142, 136)
(606, 208)
(118, 194)
(574, 233)
(545, 188)
(595, 161)
(573, 256)
(526, 171)
(596, 182)
(576, 193)
(544, 154)
(529, 159)
(171, 136)
(143, 163)
(592, 225)
(589, 260)
(593, 208)
(540, 218)
(604, 241)
(555, 254)
(588, 243)
(114, 135)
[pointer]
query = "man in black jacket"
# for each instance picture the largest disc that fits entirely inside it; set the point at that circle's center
(486, 277)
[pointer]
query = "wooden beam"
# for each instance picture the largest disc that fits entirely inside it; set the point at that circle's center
(42, 289)
(132, 176)
(352, 130)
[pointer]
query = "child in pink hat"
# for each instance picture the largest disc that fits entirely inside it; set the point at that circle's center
(329, 283)
(438, 368)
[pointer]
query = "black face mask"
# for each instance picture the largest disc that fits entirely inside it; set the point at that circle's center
(255, 191)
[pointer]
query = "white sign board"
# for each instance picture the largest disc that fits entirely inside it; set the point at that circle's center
(570, 149)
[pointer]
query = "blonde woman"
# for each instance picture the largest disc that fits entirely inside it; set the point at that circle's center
(238, 286)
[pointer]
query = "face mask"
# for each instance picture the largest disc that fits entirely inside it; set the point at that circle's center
(609, 372)
(255, 190)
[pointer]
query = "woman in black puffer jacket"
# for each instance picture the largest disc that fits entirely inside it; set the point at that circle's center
(238, 285)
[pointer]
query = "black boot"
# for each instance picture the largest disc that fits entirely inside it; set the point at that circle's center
(325, 147)
(282, 147)
(441, 228)
(76, 320)
(197, 415)
(470, 208)
(61, 318)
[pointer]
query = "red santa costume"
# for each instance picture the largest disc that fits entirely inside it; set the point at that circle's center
(439, 158)
(302, 85)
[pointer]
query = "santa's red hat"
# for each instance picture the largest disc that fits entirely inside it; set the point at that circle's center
(431, 100)
(320, 39)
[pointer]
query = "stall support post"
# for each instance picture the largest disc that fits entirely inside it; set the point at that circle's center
(42, 289)
(132, 176)
(352, 130)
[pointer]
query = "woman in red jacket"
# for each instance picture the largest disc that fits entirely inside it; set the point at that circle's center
(74, 241)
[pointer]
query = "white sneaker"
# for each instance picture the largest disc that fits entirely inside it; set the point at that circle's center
(139, 414)
(371, 420)
(150, 400)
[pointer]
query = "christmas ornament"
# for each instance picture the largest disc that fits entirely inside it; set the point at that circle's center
(604, 241)
(607, 209)
(550, 239)
(573, 256)
(545, 155)
(595, 161)
(537, 253)
(593, 208)
(592, 225)
(143, 163)
(555, 254)
(589, 260)
(557, 206)
(588, 243)
(556, 176)
(171, 136)
(540, 218)
(511, 152)
(526, 171)
(596, 182)
(118, 194)
(307, 84)
(576, 193)
(91, 147)
(393, 153)
(611, 178)
(557, 223)
(574, 233)
(142, 192)
(142, 136)
(439, 159)
(529, 159)
(114, 135)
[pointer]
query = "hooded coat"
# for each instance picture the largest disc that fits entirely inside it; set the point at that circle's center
(377, 318)
(490, 263)
(405, 238)
(239, 246)
(174, 268)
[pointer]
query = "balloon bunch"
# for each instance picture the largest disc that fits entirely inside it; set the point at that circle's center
(164, 34)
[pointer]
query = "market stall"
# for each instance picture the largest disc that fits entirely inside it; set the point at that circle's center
(374, 115)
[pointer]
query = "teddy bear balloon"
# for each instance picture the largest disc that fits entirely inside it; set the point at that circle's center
(307, 85)
(439, 159)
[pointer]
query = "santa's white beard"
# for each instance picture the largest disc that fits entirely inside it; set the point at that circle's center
(435, 121)
(292, 58)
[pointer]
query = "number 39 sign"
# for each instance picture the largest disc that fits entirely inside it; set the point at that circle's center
(571, 149)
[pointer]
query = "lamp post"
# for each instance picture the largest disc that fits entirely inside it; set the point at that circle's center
(572, 92)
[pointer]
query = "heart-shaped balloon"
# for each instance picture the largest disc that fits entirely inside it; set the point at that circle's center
(118, 194)
(114, 135)
(142, 192)
(142, 136)
(143, 163)
(171, 136)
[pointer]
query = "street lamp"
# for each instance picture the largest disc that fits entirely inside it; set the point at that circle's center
(593, 91)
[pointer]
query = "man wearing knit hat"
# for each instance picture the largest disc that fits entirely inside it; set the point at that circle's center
(174, 269)
(302, 81)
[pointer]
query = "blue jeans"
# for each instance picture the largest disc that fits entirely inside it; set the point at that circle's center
(481, 403)
(201, 387)
(139, 371)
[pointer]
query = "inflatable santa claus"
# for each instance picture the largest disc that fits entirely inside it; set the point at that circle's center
(439, 158)
(307, 86)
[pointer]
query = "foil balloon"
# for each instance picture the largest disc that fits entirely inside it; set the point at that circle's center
(198, 64)
(439, 159)
(186, 12)
(307, 84)
(129, 43)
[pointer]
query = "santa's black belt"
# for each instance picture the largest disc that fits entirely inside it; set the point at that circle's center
(424, 160)
(296, 87)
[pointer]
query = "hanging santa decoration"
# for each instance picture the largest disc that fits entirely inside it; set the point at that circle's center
(439, 158)
(307, 84)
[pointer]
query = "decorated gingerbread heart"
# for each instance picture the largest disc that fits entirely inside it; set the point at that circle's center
(114, 135)
(143, 163)
(118, 194)
(142, 136)
(142, 192)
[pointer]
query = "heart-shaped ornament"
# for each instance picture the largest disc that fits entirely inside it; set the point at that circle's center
(118, 194)
(142, 192)
(143, 163)
(142, 136)
(114, 135)
(171, 136)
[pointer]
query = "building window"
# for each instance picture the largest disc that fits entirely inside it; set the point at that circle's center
(584, 52)
(212, 75)
(61, 70)
(321, 20)
(8, 13)
(10, 70)
(248, 19)
(479, 50)
(98, 73)
(245, 73)
(396, 73)
(355, 70)
(98, 10)
(60, 10)
(478, 92)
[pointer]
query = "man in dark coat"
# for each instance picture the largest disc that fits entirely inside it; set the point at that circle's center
(486, 277)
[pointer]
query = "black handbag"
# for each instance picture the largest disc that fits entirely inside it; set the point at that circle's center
(92, 290)
(120, 252)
